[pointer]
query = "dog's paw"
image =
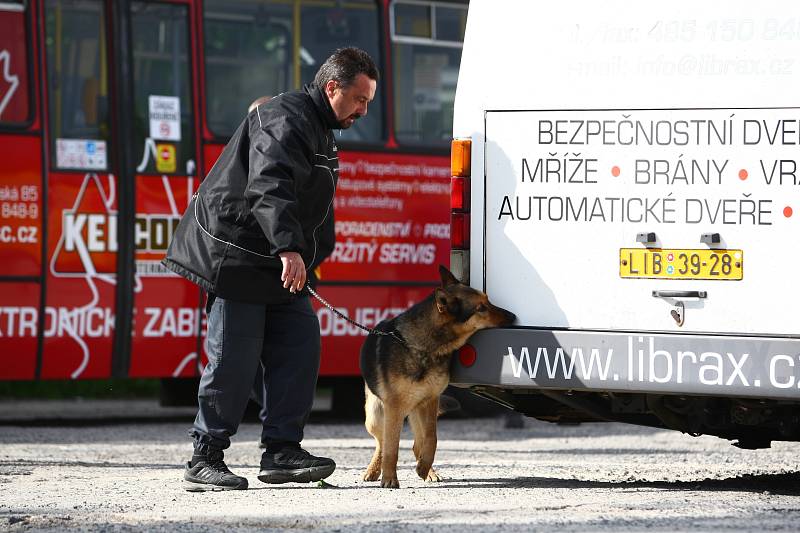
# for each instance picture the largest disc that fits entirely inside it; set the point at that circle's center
(390, 483)
(372, 474)
(433, 476)
(427, 473)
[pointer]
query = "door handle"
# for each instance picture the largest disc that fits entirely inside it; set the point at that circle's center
(680, 294)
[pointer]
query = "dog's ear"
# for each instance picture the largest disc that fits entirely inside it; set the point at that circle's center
(441, 300)
(450, 304)
(447, 277)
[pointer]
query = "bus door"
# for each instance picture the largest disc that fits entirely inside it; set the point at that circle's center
(166, 308)
(121, 167)
(20, 193)
(78, 322)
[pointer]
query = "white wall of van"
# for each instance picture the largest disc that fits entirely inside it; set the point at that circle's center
(595, 122)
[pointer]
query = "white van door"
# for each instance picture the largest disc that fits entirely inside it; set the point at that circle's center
(636, 163)
(647, 219)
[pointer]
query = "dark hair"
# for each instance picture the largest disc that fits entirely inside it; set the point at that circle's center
(344, 65)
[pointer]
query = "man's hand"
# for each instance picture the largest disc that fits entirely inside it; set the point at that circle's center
(294, 271)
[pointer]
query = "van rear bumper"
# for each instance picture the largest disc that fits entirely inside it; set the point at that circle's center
(691, 364)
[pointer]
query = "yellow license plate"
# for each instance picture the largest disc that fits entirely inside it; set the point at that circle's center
(664, 263)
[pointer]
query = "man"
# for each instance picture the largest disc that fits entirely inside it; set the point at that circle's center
(259, 223)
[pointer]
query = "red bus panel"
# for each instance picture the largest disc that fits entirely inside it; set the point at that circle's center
(392, 218)
(20, 206)
(19, 311)
(14, 89)
(81, 281)
(166, 306)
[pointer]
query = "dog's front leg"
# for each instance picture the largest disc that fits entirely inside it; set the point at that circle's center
(392, 426)
(426, 417)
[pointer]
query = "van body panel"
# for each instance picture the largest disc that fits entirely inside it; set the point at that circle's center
(714, 365)
(634, 202)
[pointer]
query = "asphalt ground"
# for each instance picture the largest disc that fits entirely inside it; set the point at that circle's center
(117, 466)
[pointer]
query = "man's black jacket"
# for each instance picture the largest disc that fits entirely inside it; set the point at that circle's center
(270, 191)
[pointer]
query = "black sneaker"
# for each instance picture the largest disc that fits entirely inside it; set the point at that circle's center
(294, 464)
(209, 472)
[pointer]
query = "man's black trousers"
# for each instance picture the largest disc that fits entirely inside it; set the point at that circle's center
(285, 339)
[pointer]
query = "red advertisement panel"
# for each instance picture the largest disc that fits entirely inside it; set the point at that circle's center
(82, 251)
(167, 316)
(13, 68)
(341, 341)
(392, 218)
(19, 306)
(20, 206)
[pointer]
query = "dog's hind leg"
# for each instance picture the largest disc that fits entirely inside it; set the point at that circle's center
(373, 408)
(416, 429)
(423, 423)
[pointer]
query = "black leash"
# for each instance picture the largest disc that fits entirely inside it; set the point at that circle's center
(321, 300)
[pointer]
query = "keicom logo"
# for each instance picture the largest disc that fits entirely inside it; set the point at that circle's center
(88, 242)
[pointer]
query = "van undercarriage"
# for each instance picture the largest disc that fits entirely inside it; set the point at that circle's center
(753, 423)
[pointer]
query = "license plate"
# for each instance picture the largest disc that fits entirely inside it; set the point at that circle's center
(663, 263)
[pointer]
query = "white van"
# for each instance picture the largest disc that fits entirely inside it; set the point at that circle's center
(632, 193)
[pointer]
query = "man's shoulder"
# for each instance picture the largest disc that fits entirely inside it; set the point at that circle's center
(291, 104)
(296, 97)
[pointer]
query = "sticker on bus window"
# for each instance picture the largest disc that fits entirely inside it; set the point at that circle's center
(165, 158)
(165, 117)
(87, 154)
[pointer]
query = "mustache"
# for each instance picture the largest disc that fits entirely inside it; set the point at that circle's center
(345, 121)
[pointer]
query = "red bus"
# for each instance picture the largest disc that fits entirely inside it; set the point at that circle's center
(111, 112)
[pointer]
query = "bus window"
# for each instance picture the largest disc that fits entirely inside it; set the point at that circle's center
(77, 79)
(331, 25)
(249, 51)
(426, 46)
(14, 102)
(163, 134)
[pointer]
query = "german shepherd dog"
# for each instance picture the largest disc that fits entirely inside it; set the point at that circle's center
(406, 369)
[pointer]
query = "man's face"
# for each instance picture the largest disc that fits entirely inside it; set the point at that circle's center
(350, 103)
